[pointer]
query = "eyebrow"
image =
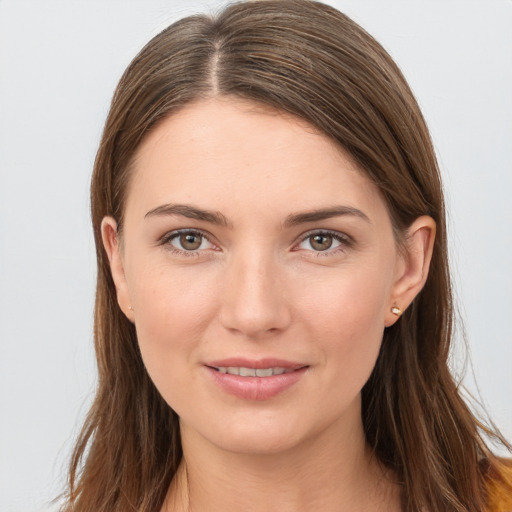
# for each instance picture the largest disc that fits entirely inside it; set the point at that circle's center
(294, 219)
(323, 214)
(190, 212)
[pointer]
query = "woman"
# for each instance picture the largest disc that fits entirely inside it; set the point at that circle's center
(273, 313)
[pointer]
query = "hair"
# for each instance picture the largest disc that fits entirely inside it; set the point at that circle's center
(309, 60)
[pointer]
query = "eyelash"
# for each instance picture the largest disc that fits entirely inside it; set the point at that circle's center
(344, 240)
(166, 240)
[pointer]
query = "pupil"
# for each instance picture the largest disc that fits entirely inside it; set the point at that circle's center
(190, 241)
(321, 242)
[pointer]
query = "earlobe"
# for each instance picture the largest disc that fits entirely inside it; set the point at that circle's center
(112, 247)
(414, 268)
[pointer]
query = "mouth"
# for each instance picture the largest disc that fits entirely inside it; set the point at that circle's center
(265, 367)
(255, 380)
(244, 371)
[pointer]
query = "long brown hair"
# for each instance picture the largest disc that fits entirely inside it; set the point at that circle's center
(312, 61)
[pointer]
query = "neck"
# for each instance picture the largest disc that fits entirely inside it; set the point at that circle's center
(320, 474)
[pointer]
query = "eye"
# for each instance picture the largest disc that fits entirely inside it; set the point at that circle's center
(321, 241)
(324, 241)
(188, 241)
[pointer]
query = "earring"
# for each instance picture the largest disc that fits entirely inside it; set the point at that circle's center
(130, 308)
(396, 311)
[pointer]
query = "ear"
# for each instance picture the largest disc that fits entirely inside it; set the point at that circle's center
(112, 248)
(412, 270)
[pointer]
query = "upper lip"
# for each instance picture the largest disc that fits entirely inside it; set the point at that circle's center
(267, 362)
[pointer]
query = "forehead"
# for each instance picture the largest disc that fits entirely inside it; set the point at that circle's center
(236, 155)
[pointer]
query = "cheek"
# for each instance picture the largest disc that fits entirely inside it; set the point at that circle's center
(347, 322)
(348, 300)
(168, 299)
(172, 310)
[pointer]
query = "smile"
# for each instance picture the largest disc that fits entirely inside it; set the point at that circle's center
(255, 380)
(252, 372)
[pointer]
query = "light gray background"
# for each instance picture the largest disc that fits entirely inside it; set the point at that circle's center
(59, 63)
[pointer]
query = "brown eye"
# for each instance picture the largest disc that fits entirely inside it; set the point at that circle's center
(190, 241)
(325, 241)
(321, 241)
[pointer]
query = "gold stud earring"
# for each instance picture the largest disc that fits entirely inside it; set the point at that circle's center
(396, 311)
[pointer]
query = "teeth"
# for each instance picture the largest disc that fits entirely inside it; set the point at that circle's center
(264, 372)
(252, 372)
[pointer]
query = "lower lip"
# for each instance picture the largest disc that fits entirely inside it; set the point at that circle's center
(256, 388)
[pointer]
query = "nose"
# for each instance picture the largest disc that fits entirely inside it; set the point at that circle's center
(254, 302)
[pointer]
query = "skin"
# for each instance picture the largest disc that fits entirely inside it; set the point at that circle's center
(260, 287)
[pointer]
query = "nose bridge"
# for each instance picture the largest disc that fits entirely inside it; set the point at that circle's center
(254, 302)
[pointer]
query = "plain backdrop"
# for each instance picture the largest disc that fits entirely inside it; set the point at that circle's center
(59, 64)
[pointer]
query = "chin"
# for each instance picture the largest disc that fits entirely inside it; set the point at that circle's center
(253, 436)
(258, 442)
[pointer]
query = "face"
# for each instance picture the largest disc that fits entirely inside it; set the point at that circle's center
(259, 267)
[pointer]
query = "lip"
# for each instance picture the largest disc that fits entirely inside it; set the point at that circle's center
(267, 362)
(255, 388)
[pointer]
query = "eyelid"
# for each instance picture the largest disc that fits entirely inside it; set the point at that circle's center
(345, 240)
(167, 237)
